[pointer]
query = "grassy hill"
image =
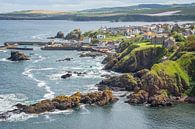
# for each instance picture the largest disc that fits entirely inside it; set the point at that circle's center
(142, 12)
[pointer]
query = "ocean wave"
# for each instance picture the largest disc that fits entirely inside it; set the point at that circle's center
(84, 110)
(5, 60)
(40, 36)
(7, 101)
(68, 111)
(3, 51)
(56, 76)
(92, 88)
(18, 117)
(40, 83)
(40, 58)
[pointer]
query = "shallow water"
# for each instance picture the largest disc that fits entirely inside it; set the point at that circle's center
(30, 81)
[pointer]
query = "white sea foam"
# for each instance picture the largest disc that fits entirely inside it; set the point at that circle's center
(92, 88)
(5, 60)
(39, 36)
(3, 51)
(7, 101)
(40, 58)
(84, 110)
(40, 83)
(56, 76)
(68, 111)
(19, 117)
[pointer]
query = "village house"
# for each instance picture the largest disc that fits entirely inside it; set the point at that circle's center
(149, 35)
(169, 43)
(87, 40)
(188, 32)
(158, 39)
(100, 37)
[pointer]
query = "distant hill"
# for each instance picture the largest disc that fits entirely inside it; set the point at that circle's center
(142, 12)
(38, 12)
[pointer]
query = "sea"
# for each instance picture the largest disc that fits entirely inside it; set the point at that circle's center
(28, 82)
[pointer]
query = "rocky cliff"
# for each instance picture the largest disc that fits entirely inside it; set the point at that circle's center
(153, 80)
(136, 57)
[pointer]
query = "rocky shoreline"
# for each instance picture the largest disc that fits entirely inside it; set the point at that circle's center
(100, 98)
(151, 79)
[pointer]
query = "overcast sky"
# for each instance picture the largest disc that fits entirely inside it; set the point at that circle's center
(69, 5)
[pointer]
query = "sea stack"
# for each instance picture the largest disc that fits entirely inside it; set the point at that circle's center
(18, 56)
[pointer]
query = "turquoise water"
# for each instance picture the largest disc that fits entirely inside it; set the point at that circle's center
(30, 81)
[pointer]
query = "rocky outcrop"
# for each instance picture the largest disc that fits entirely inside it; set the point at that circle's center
(136, 58)
(164, 80)
(18, 56)
(124, 82)
(90, 54)
(66, 59)
(74, 35)
(64, 102)
(60, 35)
(109, 58)
(65, 76)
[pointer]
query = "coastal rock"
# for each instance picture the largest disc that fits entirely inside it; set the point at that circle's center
(64, 102)
(164, 80)
(65, 76)
(60, 35)
(79, 73)
(66, 59)
(139, 97)
(161, 99)
(74, 35)
(99, 98)
(108, 58)
(118, 83)
(18, 56)
(190, 100)
(90, 54)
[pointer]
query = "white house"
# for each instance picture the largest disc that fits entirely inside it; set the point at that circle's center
(169, 43)
(87, 40)
(101, 36)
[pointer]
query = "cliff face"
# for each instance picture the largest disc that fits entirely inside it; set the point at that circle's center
(166, 79)
(154, 81)
(136, 57)
(124, 82)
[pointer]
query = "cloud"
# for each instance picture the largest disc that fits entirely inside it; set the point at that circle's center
(13, 5)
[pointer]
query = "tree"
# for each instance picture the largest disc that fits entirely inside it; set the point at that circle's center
(178, 37)
(190, 43)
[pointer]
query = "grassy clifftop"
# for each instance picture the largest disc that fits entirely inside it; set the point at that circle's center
(137, 57)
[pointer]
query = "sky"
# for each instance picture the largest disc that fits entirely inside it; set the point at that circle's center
(70, 5)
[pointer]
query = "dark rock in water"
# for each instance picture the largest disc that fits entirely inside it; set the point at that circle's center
(66, 59)
(4, 116)
(18, 56)
(66, 76)
(106, 76)
(64, 102)
(90, 54)
(124, 82)
(60, 35)
(80, 73)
